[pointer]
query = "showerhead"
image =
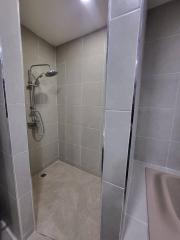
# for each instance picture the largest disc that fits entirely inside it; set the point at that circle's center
(51, 73)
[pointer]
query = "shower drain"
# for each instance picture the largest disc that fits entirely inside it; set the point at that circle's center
(43, 175)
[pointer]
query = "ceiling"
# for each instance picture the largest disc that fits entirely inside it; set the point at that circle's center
(59, 21)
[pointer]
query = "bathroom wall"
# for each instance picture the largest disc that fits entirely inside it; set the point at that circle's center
(37, 51)
(158, 132)
(8, 203)
(125, 45)
(81, 79)
(19, 197)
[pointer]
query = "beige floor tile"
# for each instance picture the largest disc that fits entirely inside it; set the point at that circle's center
(67, 203)
(37, 236)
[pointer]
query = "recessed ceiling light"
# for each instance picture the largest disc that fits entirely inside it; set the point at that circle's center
(85, 1)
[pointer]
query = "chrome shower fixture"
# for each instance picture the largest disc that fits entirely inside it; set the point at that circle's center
(49, 73)
(36, 122)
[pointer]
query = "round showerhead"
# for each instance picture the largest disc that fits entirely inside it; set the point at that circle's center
(51, 73)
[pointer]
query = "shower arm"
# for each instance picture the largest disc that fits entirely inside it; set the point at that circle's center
(38, 65)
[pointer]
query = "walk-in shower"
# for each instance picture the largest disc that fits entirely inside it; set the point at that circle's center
(36, 121)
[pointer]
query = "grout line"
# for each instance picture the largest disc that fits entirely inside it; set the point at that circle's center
(172, 125)
(155, 108)
(111, 19)
(46, 236)
(152, 138)
(118, 111)
(81, 146)
(44, 145)
(163, 38)
(114, 185)
(159, 74)
(137, 219)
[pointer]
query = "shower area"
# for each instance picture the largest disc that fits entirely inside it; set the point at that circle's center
(64, 93)
(102, 160)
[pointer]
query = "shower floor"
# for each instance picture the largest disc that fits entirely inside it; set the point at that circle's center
(67, 204)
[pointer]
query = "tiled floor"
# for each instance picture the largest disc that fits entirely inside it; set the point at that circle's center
(67, 204)
(38, 236)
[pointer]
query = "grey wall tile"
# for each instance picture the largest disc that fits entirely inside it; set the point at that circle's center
(159, 90)
(122, 53)
(120, 7)
(91, 160)
(26, 213)
(22, 173)
(94, 68)
(35, 51)
(95, 44)
(135, 230)
(46, 93)
(17, 122)
(13, 75)
(151, 150)
(7, 178)
(14, 222)
(137, 202)
(155, 123)
(61, 132)
(48, 112)
(30, 49)
(81, 100)
(62, 152)
(9, 205)
(93, 94)
(92, 117)
(117, 132)
(46, 52)
(73, 70)
(111, 211)
(50, 135)
(73, 114)
(5, 142)
(163, 21)
(162, 56)
(70, 153)
(61, 67)
(174, 156)
(43, 156)
(176, 130)
(70, 94)
(73, 134)
(91, 138)
(69, 114)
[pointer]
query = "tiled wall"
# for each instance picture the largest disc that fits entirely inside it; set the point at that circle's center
(81, 67)
(123, 68)
(37, 51)
(8, 203)
(20, 208)
(158, 132)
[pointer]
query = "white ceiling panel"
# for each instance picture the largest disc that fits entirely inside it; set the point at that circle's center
(59, 21)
